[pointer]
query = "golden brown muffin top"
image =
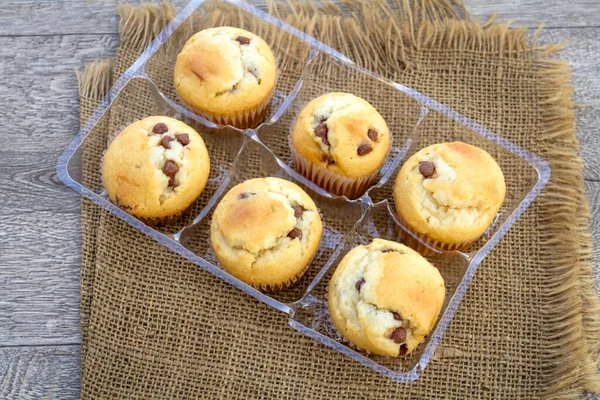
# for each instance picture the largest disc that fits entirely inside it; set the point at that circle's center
(342, 133)
(450, 191)
(385, 297)
(225, 70)
(265, 231)
(156, 167)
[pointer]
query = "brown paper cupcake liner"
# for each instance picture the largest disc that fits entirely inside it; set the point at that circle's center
(419, 241)
(333, 183)
(166, 220)
(243, 120)
(285, 285)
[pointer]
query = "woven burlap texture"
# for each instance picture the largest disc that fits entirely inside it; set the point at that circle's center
(156, 326)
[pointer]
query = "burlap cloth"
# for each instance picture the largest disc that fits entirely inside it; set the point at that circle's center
(156, 326)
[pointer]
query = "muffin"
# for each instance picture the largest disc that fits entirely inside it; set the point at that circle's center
(155, 169)
(385, 297)
(265, 232)
(448, 194)
(340, 142)
(227, 75)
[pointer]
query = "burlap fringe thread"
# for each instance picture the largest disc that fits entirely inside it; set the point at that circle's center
(381, 36)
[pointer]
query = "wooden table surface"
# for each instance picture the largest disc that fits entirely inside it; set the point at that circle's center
(41, 44)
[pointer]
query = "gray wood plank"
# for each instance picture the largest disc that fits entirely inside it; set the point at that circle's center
(29, 183)
(49, 17)
(39, 89)
(530, 13)
(39, 373)
(40, 98)
(583, 54)
(39, 285)
(592, 191)
(39, 240)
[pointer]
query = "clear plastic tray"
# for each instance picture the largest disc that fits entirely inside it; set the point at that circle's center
(239, 155)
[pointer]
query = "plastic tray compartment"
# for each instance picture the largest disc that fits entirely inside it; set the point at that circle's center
(306, 69)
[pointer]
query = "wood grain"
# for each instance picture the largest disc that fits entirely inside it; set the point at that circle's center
(33, 184)
(583, 53)
(40, 259)
(72, 17)
(530, 13)
(39, 372)
(63, 17)
(592, 189)
(39, 89)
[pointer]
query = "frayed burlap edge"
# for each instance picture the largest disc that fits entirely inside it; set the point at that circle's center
(381, 37)
(93, 82)
(139, 25)
(571, 302)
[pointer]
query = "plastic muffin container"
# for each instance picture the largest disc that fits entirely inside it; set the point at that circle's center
(237, 155)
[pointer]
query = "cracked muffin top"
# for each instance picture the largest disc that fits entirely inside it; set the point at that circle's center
(385, 297)
(265, 231)
(450, 191)
(155, 167)
(342, 133)
(225, 70)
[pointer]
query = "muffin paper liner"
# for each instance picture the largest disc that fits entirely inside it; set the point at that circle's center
(285, 285)
(417, 240)
(166, 220)
(243, 120)
(335, 184)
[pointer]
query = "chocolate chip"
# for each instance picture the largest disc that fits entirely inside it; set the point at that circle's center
(183, 138)
(244, 195)
(359, 284)
(328, 160)
(387, 250)
(398, 335)
(243, 40)
(321, 131)
(172, 181)
(364, 148)
(170, 168)
(298, 210)
(372, 134)
(397, 316)
(160, 128)
(166, 142)
(295, 233)
(426, 168)
(403, 350)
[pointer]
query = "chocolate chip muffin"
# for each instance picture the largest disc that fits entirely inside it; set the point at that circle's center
(448, 194)
(385, 297)
(265, 231)
(155, 169)
(227, 75)
(340, 142)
